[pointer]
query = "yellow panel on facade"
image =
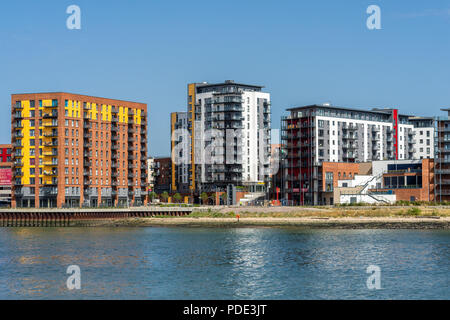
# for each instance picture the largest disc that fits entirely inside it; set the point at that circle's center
(26, 143)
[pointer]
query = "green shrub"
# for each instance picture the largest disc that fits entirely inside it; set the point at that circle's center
(414, 211)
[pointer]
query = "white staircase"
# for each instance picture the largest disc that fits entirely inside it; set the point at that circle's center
(250, 197)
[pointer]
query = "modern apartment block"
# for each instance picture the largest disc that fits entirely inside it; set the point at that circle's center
(151, 174)
(181, 148)
(222, 139)
(314, 134)
(163, 174)
(5, 174)
(442, 158)
(75, 150)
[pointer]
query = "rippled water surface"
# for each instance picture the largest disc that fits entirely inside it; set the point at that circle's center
(253, 263)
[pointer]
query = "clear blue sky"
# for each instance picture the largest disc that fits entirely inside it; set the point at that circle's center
(303, 52)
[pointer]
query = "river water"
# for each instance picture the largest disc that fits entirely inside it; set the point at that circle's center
(211, 263)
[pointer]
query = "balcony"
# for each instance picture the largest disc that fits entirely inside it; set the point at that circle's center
(51, 173)
(17, 125)
(50, 153)
(50, 163)
(50, 134)
(349, 155)
(17, 134)
(18, 173)
(114, 119)
(348, 137)
(349, 146)
(17, 144)
(53, 105)
(349, 127)
(18, 155)
(50, 124)
(17, 106)
(114, 146)
(18, 163)
(87, 164)
(114, 128)
(51, 144)
(50, 115)
(17, 115)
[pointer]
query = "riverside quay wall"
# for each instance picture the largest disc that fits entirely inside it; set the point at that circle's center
(79, 217)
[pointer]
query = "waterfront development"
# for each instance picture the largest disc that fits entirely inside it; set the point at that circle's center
(223, 263)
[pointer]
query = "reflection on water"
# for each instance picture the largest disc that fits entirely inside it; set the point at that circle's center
(259, 263)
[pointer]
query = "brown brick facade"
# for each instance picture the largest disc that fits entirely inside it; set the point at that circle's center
(77, 150)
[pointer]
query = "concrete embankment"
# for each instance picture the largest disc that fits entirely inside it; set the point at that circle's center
(309, 222)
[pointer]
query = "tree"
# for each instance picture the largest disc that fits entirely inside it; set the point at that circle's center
(165, 196)
(177, 197)
(152, 195)
(213, 199)
(224, 197)
(204, 197)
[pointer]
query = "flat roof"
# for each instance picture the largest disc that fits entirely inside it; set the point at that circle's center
(227, 82)
(374, 110)
(73, 94)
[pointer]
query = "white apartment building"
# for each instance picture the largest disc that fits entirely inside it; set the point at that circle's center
(229, 124)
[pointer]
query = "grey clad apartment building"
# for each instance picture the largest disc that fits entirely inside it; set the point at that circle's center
(318, 133)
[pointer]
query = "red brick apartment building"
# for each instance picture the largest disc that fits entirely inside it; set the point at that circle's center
(163, 174)
(72, 150)
(5, 175)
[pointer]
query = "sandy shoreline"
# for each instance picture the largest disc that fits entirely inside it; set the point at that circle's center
(303, 222)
